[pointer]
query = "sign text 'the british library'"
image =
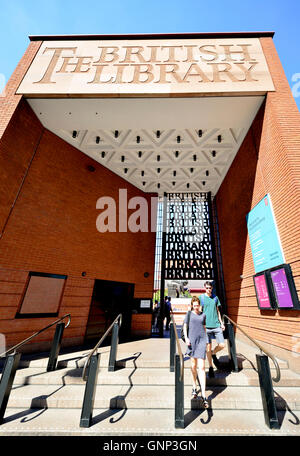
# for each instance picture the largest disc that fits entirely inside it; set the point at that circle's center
(151, 67)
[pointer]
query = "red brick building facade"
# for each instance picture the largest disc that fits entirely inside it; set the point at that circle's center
(48, 193)
(268, 162)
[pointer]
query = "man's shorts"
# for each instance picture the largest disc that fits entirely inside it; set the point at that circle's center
(214, 333)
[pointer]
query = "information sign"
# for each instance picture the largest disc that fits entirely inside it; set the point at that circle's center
(264, 237)
(145, 303)
(284, 288)
(262, 292)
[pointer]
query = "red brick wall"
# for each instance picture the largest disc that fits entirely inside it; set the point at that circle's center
(141, 325)
(10, 100)
(267, 162)
(18, 146)
(48, 223)
(47, 214)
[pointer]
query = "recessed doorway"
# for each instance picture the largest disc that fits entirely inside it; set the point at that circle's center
(108, 301)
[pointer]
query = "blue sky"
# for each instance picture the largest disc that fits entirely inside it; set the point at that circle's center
(20, 18)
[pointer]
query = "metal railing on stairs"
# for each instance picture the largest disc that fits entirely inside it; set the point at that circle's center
(12, 359)
(177, 366)
(264, 374)
(91, 369)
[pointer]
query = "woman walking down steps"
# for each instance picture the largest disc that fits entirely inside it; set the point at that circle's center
(195, 337)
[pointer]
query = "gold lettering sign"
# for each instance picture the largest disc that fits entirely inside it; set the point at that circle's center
(160, 67)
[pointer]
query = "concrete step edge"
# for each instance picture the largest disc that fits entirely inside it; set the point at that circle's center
(139, 364)
(53, 422)
(145, 377)
(139, 396)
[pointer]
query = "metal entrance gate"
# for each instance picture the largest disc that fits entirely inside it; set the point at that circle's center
(188, 250)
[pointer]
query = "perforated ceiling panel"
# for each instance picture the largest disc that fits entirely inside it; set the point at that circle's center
(154, 144)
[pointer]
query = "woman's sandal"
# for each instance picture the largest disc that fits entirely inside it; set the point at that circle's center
(194, 393)
(205, 402)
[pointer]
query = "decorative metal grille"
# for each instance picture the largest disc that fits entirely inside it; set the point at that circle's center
(189, 254)
(158, 247)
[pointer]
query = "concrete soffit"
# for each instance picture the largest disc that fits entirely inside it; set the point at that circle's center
(157, 144)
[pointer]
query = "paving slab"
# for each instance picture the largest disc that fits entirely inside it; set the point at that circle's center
(145, 376)
(153, 422)
(147, 396)
(153, 352)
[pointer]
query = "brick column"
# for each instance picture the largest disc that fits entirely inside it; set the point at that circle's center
(268, 162)
(10, 101)
(280, 155)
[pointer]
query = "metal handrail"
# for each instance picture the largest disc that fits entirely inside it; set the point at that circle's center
(178, 346)
(36, 334)
(98, 345)
(277, 378)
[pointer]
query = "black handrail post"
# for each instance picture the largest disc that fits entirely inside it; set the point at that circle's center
(7, 379)
(172, 347)
(267, 393)
(232, 348)
(179, 394)
(89, 394)
(56, 344)
(113, 347)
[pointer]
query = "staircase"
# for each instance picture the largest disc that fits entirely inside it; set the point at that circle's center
(139, 398)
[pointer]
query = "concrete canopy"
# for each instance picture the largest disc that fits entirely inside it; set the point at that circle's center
(157, 144)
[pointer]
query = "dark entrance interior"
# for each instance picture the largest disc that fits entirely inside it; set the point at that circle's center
(108, 301)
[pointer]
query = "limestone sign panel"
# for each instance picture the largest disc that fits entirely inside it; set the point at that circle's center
(148, 67)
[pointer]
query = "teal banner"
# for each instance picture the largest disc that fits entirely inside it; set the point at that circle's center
(264, 237)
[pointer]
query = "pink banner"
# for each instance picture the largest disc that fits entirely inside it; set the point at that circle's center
(262, 292)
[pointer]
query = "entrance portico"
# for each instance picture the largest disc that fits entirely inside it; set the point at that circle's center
(150, 114)
(156, 144)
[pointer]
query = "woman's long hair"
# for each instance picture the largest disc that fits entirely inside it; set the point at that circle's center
(195, 299)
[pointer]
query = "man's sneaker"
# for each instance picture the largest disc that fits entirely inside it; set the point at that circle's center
(211, 373)
(216, 361)
(194, 393)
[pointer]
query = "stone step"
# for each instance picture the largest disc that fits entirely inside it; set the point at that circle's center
(140, 422)
(78, 360)
(145, 376)
(153, 352)
(142, 389)
(147, 396)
